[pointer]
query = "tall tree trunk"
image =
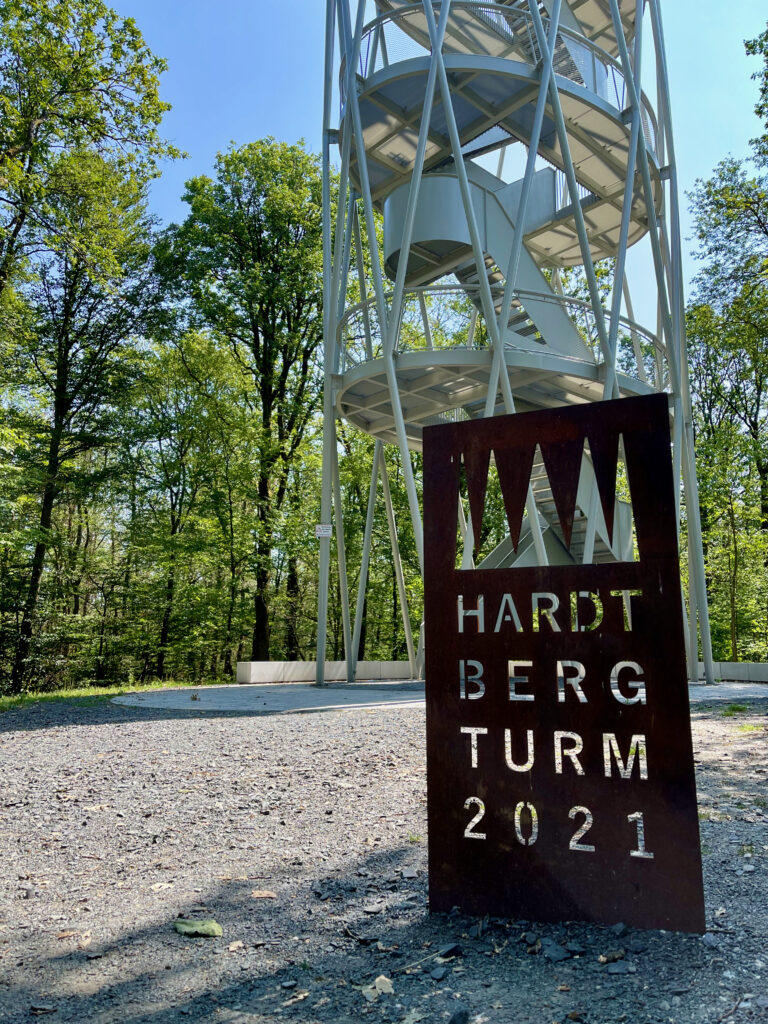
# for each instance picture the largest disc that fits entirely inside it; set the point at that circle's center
(363, 631)
(100, 659)
(762, 472)
(170, 586)
(292, 650)
(24, 641)
(228, 667)
(733, 583)
(260, 644)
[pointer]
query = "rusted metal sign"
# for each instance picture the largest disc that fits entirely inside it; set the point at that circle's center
(560, 767)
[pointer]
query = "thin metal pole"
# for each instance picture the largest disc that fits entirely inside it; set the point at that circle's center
(413, 191)
(370, 226)
(691, 482)
(573, 187)
(397, 299)
(591, 529)
(635, 339)
(397, 562)
(362, 284)
(364, 564)
(517, 240)
(341, 274)
(329, 333)
(651, 210)
(466, 195)
(485, 289)
(610, 388)
(341, 554)
(425, 321)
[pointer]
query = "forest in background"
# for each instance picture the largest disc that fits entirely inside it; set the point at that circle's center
(160, 440)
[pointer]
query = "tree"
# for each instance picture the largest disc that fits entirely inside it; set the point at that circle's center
(72, 346)
(758, 47)
(728, 352)
(247, 262)
(727, 356)
(73, 77)
(730, 218)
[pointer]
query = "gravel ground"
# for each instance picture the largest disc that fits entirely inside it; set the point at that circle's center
(304, 837)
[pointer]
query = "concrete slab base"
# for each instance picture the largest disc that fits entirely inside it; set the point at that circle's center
(306, 671)
(271, 699)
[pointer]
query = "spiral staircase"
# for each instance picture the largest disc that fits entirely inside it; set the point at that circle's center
(435, 100)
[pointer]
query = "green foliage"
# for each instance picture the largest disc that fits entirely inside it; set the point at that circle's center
(246, 266)
(732, 710)
(160, 448)
(74, 77)
(728, 354)
(758, 47)
(730, 216)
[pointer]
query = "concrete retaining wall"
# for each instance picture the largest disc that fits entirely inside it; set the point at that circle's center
(738, 672)
(306, 671)
(336, 671)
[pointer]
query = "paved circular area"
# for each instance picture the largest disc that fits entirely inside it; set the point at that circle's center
(276, 699)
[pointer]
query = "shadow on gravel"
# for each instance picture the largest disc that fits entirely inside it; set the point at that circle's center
(310, 955)
(728, 787)
(153, 965)
(100, 710)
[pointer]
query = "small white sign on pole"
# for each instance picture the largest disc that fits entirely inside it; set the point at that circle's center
(323, 530)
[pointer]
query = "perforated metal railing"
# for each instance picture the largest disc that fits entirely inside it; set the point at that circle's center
(484, 29)
(441, 317)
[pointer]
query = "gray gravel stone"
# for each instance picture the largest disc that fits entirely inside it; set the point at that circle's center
(119, 819)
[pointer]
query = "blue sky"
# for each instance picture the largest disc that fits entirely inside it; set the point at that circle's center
(243, 69)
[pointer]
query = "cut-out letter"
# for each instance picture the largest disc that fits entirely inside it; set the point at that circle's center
(545, 605)
(636, 750)
(577, 626)
(511, 763)
(473, 731)
(641, 851)
(469, 833)
(637, 684)
(626, 597)
(475, 679)
(570, 752)
(508, 613)
(573, 680)
(582, 830)
(478, 612)
(514, 680)
(534, 835)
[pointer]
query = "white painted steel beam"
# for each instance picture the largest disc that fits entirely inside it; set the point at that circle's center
(564, 83)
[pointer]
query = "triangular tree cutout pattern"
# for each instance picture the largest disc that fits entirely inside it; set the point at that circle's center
(514, 467)
(476, 461)
(562, 462)
(604, 449)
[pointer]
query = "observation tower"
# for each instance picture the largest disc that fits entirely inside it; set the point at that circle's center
(504, 169)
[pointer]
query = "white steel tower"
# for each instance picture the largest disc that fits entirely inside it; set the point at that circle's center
(490, 156)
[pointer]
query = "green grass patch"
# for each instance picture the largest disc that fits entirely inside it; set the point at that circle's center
(733, 709)
(750, 727)
(92, 695)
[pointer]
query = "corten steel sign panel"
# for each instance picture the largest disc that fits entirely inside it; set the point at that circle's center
(559, 759)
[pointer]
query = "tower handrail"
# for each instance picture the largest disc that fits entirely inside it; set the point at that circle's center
(615, 92)
(355, 352)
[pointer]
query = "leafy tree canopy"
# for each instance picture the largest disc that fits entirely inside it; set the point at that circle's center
(758, 47)
(73, 76)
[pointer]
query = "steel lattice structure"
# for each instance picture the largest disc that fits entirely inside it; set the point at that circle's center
(436, 99)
